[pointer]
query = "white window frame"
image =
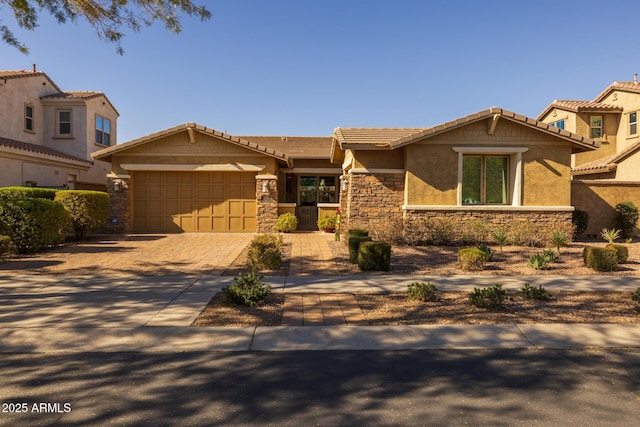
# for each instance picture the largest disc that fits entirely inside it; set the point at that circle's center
(59, 122)
(516, 152)
(28, 118)
(555, 124)
(102, 131)
(634, 123)
(591, 127)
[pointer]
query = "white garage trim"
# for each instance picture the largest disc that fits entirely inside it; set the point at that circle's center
(222, 167)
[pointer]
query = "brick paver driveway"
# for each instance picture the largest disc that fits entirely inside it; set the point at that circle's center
(138, 254)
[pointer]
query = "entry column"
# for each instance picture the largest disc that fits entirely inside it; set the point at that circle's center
(267, 203)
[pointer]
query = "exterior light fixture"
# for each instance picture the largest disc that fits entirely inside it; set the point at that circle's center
(117, 186)
(265, 186)
(345, 181)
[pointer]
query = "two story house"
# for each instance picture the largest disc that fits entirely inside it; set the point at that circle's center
(47, 135)
(610, 175)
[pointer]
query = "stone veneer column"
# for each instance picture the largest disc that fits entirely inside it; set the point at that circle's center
(118, 189)
(267, 203)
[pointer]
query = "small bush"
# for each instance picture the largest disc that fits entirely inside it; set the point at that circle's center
(471, 259)
(500, 236)
(538, 261)
(580, 220)
(5, 245)
(636, 295)
(559, 239)
(420, 291)
(627, 217)
(247, 290)
(357, 232)
(287, 223)
(621, 251)
(529, 292)
(88, 210)
(550, 256)
(374, 256)
(327, 223)
(441, 231)
(264, 252)
(526, 233)
(354, 245)
(33, 224)
(7, 193)
(601, 259)
(475, 232)
(491, 298)
(487, 250)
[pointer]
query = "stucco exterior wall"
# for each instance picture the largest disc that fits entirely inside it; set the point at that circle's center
(629, 102)
(387, 159)
(547, 175)
(432, 174)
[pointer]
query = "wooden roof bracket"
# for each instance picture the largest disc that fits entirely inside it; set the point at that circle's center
(493, 121)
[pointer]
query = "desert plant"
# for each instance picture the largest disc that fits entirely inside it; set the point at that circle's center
(475, 232)
(559, 239)
(246, 289)
(327, 223)
(636, 295)
(265, 252)
(526, 233)
(374, 256)
(529, 292)
(487, 250)
(580, 220)
(538, 262)
(440, 231)
(287, 223)
(600, 259)
(354, 245)
(621, 251)
(627, 217)
(88, 210)
(610, 235)
(491, 298)
(420, 291)
(550, 256)
(500, 236)
(471, 259)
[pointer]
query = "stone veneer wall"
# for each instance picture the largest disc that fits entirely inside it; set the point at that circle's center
(119, 204)
(371, 200)
(267, 204)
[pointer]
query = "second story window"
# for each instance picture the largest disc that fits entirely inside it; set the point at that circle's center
(28, 117)
(595, 124)
(633, 123)
(64, 123)
(559, 124)
(103, 131)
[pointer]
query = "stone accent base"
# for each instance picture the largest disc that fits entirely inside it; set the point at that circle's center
(118, 189)
(267, 203)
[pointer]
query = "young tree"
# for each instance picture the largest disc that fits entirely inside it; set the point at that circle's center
(109, 18)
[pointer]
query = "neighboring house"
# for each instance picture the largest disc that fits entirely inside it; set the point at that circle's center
(47, 135)
(611, 174)
(493, 165)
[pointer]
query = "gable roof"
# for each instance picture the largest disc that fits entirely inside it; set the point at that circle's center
(606, 164)
(295, 147)
(633, 87)
(394, 138)
(580, 106)
(18, 74)
(79, 94)
(39, 149)
(106, 153)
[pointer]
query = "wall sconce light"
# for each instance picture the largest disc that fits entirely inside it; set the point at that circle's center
(345, 181)
(117, 186)
(265, 186)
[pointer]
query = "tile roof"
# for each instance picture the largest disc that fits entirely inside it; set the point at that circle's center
(295, 147)
(380, 137)
(633, 87)
(80, 94)
(16, 74)
(607, 163)
(39, 149)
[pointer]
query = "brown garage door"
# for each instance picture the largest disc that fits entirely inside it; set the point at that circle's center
(194, 201)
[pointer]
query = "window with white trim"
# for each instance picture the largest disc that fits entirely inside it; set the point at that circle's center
(596, 127)
(633, 123)
(559, 124)
(28, 117)
(103, 130)
(64, 125)
(485, 179)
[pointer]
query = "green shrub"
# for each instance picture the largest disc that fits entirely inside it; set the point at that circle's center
(475, 232)
(374, 256)
(559, 239)
(354, 245)
(580, 220)
(287, 223)
(491, 298)
(357, 232)
(265, 252)
(636, 295)
(610, 235)
(420, 291)
(622, 252)
(471, 259)
(5, 245)
(529, 292)
(601, 259)
(487, 251)
(27, 193)
(88, 210)
(627, 217)
(327, 223)
(247, 290)
(33, 224)
(538, 261)
(500, 236)
(550, 256)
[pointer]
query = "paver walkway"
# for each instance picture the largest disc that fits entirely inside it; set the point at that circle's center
(311, 255)
(308, 309)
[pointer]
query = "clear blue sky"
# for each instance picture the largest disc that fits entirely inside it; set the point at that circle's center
(303, 67)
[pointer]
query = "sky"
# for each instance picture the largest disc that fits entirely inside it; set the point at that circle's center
(304, 67)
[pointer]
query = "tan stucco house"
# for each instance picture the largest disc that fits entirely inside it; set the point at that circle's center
(47, 135)
(494, 165)
(611, 174)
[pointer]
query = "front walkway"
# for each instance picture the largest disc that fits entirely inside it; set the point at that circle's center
(311, 255)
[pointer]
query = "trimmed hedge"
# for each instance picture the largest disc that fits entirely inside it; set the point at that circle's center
(88, 210)
(33, 224)
(354, 246)
(356, 232)
(621, 251)
(600, 259)
(374, 256)
(472, 259)
(287, 223)
(264, 252)
(7, 193)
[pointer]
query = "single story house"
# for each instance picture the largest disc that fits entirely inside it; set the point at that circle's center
(494, 165)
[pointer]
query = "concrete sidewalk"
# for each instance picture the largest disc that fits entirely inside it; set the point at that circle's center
(153, 313)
